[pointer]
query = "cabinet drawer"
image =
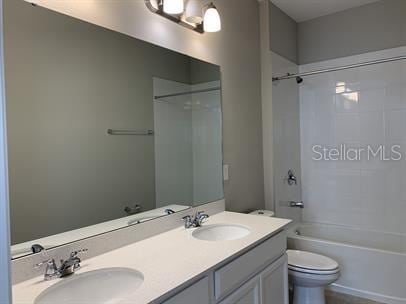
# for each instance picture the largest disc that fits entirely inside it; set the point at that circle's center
(232, 275)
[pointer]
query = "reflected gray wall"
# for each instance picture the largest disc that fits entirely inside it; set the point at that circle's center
(372, 27)
(67, 82)
(5, 276)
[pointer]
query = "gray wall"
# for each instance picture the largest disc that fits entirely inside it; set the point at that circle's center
(67, 82)
(5, 277)
(367, 28)
(286, 138)
(236, 49)
(283, 34)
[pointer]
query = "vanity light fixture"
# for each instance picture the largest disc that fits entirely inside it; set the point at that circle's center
(195, 16)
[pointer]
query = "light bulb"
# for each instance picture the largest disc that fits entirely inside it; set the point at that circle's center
(193, 11)
(211, 19)
(173, 7)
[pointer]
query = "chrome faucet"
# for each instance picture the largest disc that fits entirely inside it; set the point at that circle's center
(132, 210)
(36, 248)
(196, 220)
(72, 264)
(169, 211)
(66, 268)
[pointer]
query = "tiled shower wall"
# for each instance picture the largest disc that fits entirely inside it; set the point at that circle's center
(357, 107)
(188, 150)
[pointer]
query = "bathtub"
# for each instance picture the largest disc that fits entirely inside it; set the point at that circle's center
(373, 264)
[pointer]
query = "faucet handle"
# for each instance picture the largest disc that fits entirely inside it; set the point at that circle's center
(188, 221)
(51, 271)
(200, 217)
(46, 262)
(291, 178)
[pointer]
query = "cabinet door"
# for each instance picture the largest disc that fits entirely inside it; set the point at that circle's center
(249, 293)
(198, 293)
(274, 282)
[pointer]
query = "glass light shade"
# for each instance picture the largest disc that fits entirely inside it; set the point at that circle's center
(211, 19)
(173, 7)
(193, 11)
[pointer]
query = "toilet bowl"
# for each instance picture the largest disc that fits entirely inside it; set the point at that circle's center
(309, 273)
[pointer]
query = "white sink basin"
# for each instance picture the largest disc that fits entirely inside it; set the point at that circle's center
(221, 232)
(109, 285)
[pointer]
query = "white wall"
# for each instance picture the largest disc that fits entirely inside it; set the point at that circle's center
(235, 49)
(4, 214)
(286, 137)
(357, 107)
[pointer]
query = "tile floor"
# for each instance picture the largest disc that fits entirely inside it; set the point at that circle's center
(339, 298)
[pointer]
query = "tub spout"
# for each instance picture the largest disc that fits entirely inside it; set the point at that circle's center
(297, 204)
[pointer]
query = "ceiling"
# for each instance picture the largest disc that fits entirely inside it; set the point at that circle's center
(302, 10)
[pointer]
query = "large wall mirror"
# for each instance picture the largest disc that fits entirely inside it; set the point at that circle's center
(104, 130)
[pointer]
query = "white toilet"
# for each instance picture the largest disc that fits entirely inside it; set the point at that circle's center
(309, 273)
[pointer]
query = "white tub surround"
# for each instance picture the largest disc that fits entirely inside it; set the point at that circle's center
(359, 108)
(360, 201)
(174, 259)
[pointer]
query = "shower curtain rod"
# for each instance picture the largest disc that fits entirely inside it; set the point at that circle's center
(187, 93)
(345, 67)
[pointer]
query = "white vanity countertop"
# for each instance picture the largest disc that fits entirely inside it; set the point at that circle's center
(167, 260)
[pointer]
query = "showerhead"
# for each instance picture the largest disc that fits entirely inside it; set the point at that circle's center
(299, 79)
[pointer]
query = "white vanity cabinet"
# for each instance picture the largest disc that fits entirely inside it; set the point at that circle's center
(198, 293)
(258, 276)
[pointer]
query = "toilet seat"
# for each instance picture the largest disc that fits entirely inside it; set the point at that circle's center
(308, 262)
(310, 271)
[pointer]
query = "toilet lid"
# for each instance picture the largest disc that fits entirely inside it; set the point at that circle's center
(311, 261)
